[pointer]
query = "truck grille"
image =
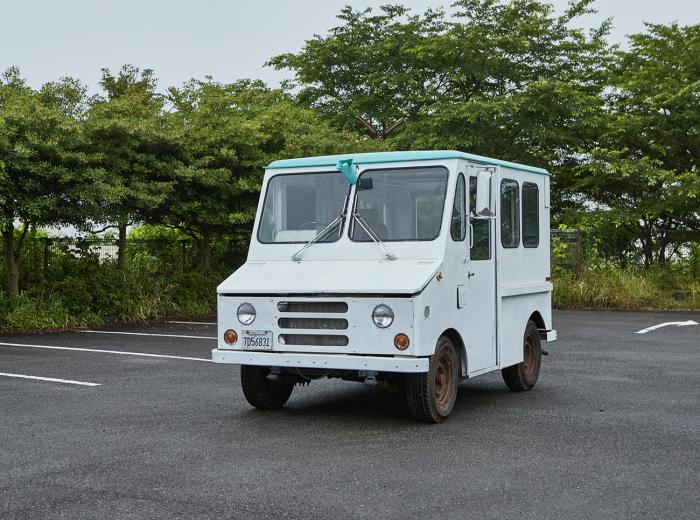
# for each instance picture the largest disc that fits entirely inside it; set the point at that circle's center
(319, 340)
(327, 307)
(313, 322)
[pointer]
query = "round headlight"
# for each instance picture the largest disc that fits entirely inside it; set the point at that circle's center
(383, 316)
(246, 313)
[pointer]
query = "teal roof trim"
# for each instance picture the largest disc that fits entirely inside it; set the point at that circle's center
(385, 157)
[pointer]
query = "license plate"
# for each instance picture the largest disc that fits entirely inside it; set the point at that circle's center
(257, 339)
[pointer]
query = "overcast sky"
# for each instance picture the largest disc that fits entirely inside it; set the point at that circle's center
(226, 39)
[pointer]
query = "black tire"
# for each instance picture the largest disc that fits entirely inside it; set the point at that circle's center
(260, 391)
(523, 376)
(432, 395)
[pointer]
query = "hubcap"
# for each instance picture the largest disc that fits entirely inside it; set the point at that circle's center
(443, 380)
(529, 357)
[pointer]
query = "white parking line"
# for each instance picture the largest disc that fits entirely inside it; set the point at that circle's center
(51, 379)
(192, 322)
(668, 323)
(119, 352)
(145, 334)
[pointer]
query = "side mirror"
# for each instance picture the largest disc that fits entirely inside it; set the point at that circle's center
(483, 195)
(365, 183)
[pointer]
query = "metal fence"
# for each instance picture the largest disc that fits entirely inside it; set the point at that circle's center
(567, 249)
(42, 257)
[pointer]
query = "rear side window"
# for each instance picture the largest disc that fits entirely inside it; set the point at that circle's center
(458, 226)
(510, 213)
(481, 235)
(531, 215)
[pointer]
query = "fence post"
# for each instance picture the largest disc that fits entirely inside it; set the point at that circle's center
(46, 256)
(579, 253)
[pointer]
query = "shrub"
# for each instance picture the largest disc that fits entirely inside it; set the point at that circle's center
(613, 287)
(107, 294)
(73, 293)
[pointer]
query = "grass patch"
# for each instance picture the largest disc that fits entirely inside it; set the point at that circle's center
(632, 288)
(109, 295)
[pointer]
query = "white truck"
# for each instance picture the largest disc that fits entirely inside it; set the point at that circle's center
(411, 269)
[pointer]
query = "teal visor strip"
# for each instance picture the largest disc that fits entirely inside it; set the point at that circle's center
(345, 167)
(384, 157)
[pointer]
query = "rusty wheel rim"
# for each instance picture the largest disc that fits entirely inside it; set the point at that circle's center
(530, 357)
(443, 381)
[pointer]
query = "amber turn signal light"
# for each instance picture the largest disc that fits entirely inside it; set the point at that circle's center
(230, 336)
(401, 341)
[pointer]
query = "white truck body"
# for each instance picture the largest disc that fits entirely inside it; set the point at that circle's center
(314, 308)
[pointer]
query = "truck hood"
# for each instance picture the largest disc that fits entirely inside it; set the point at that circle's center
(331, 277)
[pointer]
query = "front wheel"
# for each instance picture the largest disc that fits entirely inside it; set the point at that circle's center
(432, 395)
(262, 392)
(523, 376)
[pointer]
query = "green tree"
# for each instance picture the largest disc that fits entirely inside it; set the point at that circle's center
(131, 152)
(520, 83)
(645, 170)
(228, 133)
(373, 71)
(40, 161)
(507, 79)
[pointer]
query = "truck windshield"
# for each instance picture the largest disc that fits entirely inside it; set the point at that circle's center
(400, 204)
(298, 206)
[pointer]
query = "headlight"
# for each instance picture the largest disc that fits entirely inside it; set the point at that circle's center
(246, 313)
(383, 316)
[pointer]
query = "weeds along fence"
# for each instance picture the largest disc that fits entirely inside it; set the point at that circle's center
(45, 260)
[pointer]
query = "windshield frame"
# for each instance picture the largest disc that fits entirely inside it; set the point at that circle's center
(442, 167)
(343, 209)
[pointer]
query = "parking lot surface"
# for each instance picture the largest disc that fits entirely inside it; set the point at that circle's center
(612, 430)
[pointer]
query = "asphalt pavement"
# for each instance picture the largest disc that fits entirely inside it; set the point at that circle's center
(612, 430)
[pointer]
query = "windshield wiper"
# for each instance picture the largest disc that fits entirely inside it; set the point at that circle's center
(373, 235)
(297, 256)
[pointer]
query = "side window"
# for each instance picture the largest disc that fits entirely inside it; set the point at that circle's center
(458, 225)
(531, 215)
(510, 213)
(481, 246)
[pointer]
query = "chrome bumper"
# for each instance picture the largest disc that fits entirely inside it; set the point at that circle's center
(331, 361)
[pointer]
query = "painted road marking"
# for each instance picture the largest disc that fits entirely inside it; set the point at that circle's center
(145, 334)
(51, 379)
(119, 352)
(192, 322)
(668, 323)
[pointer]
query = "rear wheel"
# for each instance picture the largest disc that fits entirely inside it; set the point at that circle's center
(432, 395)
(262, 392)
(523, 376)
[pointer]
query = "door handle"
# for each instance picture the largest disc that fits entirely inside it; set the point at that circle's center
(470, 274)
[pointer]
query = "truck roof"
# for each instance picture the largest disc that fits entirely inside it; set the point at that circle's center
(386, 157)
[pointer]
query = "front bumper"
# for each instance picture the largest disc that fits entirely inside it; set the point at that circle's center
(403, 364)
(548, 335)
